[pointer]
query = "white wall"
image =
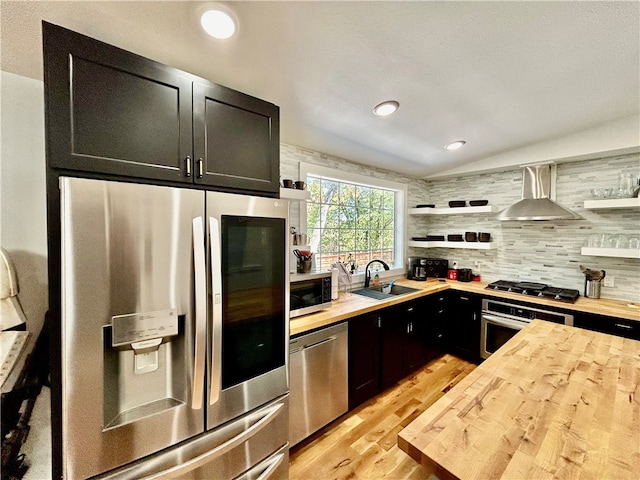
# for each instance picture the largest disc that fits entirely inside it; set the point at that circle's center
(23, 228)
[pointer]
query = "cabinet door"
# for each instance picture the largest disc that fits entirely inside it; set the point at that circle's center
(364, 358)
(417, 351)
(236, 140)
(464, 324)
(113, 112)
(393, 354)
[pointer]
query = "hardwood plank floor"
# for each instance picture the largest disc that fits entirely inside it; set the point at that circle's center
(362, 444)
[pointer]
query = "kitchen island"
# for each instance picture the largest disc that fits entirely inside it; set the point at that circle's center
(554, 402)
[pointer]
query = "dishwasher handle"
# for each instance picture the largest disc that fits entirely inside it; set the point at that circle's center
(312, 345)
(318, 343)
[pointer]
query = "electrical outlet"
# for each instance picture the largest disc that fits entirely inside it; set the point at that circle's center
(609, 281)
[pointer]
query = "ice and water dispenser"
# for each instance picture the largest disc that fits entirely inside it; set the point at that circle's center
(144, 365)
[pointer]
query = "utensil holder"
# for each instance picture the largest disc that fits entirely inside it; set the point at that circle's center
(304, 266)
(592, 288)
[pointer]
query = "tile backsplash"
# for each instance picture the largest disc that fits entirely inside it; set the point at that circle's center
(540, 251)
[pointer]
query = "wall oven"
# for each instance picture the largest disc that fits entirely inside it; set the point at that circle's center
(309, 293)
(501, 320)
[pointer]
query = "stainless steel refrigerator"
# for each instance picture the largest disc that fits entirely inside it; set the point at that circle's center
(174, 332)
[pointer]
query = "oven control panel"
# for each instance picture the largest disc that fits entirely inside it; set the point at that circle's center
(525, 314)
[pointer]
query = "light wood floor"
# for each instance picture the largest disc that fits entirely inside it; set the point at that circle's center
(362, 444)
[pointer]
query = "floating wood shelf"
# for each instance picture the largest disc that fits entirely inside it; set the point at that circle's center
(611, 252)
(453, 211)
(612, 203)
(467, 245)
(294, 194)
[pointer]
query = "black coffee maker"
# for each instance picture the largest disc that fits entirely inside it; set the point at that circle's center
(421, 268)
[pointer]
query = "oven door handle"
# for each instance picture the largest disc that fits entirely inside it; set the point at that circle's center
(502, 321)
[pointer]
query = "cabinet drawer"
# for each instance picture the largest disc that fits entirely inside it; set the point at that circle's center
(614, 326)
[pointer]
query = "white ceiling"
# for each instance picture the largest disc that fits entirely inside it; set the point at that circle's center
(500, 75)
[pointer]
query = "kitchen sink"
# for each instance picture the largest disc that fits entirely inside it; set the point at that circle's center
(378, 293)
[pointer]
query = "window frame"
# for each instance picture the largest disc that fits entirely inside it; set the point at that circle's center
(400, 213)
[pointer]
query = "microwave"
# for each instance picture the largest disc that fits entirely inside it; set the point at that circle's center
(309, 292)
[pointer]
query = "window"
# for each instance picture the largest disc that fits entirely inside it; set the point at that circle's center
(354, 218)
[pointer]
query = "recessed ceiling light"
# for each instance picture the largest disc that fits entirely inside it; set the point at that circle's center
(218, 23)
(386, 108)
(455, 145)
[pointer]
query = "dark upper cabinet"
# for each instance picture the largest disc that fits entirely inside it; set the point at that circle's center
(109, 111)
(236, 137)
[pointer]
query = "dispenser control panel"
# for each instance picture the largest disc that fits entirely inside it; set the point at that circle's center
(137, 327)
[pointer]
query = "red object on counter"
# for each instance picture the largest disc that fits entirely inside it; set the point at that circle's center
(452, 274)
(475, 278)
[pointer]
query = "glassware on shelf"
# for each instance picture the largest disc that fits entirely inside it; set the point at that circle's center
(601, 193)
(626, 185)
(621, 241)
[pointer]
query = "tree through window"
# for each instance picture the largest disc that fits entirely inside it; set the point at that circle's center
(349, 221)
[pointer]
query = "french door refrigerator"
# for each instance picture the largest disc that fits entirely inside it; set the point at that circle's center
(174, 332)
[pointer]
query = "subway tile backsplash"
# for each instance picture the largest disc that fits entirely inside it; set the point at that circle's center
(543, 251)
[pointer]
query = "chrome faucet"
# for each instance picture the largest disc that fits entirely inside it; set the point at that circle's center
(367, 275)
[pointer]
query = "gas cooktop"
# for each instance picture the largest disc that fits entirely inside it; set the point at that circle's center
(536, 290)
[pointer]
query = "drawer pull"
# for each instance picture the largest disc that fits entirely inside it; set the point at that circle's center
(622, 325)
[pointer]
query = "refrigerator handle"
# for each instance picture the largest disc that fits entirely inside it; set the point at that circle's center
(200, 286)
(216, 308)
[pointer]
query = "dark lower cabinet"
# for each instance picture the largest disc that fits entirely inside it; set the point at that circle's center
(437, 334)
(463, 324)
(612, 325)
(111, 112)
(405, 345)
(364, 357)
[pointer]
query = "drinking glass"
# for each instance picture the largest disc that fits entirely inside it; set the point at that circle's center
(594, 240)
(608, 240)
(622, 241)
(625, 185)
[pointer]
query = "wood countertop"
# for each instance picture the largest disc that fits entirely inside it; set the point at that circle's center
(351, 305)
(555, 402)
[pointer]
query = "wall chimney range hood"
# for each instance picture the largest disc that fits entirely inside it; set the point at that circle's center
(536, 203)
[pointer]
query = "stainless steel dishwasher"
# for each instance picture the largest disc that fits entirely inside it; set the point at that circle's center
(319, 390)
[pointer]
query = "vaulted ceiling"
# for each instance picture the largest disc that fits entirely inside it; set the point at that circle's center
(500, 75)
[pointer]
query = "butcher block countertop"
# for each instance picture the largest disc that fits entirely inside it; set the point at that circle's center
(555, 402)
(350, 304)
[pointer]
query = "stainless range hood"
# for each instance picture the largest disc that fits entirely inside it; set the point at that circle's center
(536, 203)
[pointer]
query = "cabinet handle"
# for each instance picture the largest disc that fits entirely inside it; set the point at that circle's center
(410, 309)
(466, 299)
(379, 322)
(622, 325)
(187, 162)
(200, 169)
